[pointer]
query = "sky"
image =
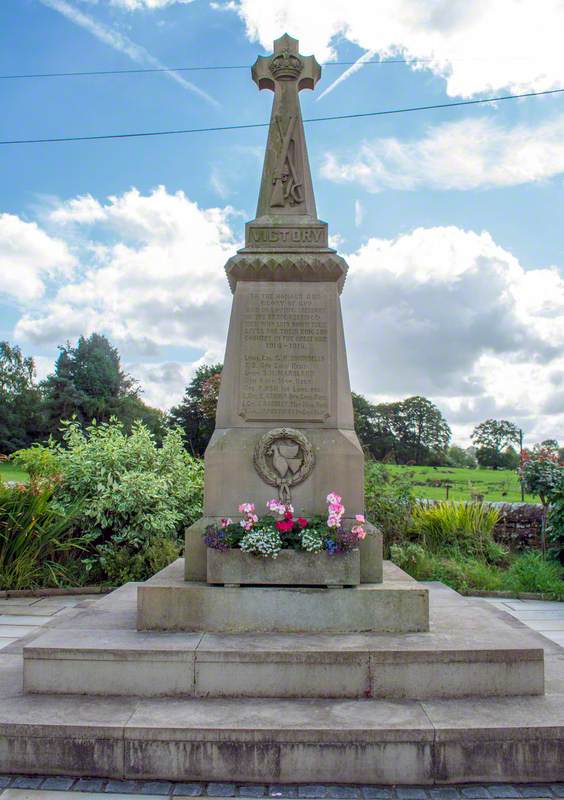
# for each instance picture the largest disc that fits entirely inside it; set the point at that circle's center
(450, 219)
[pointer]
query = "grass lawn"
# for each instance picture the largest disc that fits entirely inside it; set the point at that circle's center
(8, 472)
(495, 485)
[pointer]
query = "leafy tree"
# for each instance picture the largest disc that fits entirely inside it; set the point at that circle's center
(459, 457)
(491, 438)
(195, 414)
(426, 430)
(375, 437)
(88, 383)
(542, 473)
(412, 429)
(21, 420)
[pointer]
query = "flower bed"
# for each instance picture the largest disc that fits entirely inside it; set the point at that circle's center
(268, 536)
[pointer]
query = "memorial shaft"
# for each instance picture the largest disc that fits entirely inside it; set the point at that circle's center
(284, 424)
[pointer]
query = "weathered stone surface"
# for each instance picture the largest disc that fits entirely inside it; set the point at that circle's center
(288, 568)
(168, 602)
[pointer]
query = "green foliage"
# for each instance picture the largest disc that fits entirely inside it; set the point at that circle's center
(130, 488)
(38, 545)
(195, 415)
(492, 437)
(458, 457)
(389, 502)
(465, 529)
(410, 430)
(21, 420)
(124, 564)
(132, 493)
(542, 472)
(531, 572)
(37, 461)
(454, 545)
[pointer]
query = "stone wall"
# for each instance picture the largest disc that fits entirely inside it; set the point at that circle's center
(520, 525)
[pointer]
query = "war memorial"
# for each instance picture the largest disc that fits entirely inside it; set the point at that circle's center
(315, 665)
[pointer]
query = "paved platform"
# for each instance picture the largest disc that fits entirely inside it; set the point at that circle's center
(100, 652)
(239, 739)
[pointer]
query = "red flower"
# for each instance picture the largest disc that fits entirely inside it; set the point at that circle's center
(288, 515)
(284, 526)
(302, 522)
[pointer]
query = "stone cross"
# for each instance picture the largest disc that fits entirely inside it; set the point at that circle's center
(286, 187)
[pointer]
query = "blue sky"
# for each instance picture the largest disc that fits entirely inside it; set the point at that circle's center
(450, 219)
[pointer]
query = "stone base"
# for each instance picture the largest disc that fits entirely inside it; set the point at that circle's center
(416, 728)
(168, 603)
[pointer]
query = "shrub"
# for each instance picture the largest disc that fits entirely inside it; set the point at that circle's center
(38, 461)
(389, 503)
(123, 564)
(531, 572)
(413, 559)
(38, 545)
(132, 493)
(464, 528)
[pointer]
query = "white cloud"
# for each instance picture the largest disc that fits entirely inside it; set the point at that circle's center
(468, 154)
(27, 256)
(151, 5)
(449, 314)
(154, 278)
(477, 47)
(118, 41)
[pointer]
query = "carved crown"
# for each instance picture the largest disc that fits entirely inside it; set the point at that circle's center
(286, 66)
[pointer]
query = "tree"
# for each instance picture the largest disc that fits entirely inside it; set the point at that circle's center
(407, 430)
(21, 420)
(195, 414)
(426, 430)
(491, 438)
(88, 383)
(459, 457)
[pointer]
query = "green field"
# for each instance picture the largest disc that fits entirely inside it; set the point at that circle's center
(495, 485)
(10, 473)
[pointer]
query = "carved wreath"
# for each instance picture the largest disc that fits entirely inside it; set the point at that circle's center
(284, 457)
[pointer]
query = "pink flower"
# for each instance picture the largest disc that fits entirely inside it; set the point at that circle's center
(225, 521)
(359, 531)
(333, 498)
(246, 508)
(275, 505)
(289, 507)
(359, 518)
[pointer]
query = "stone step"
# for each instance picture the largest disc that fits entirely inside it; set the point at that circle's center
(285, 741)
(416, 666)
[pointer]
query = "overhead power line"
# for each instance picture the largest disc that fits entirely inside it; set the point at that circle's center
(139, 134)
(142, 70)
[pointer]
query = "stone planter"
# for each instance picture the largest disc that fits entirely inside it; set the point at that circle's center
(290, 568)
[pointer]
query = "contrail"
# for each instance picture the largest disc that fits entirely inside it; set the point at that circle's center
(348, 72)
(122, 44)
